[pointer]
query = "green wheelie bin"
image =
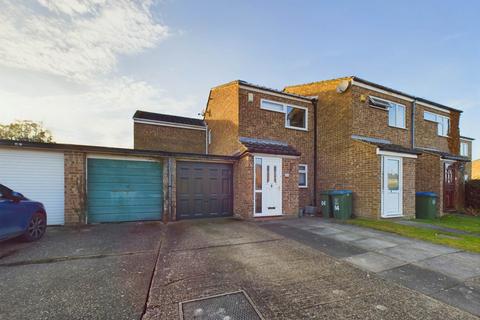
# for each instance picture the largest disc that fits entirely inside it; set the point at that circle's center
(426, 205)
(342, 204)
(325, 204)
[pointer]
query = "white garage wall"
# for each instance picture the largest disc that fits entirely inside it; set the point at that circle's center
(38, 175)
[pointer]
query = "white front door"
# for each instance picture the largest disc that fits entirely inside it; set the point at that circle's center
(268, 186)
(392, 187)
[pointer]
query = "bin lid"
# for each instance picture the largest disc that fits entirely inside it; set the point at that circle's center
(426, 194)
(340, 192)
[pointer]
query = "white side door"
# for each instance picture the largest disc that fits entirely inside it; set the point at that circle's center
(392, 187)
(268, 189)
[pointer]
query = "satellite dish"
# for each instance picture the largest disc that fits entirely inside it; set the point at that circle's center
(343, 86)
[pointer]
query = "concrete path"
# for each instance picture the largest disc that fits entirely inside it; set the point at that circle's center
(443, 273)
(284, 278)
(91, 272)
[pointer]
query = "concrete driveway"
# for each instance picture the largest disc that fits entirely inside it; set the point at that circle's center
(443, 273)
(91, 272)
(286, 277)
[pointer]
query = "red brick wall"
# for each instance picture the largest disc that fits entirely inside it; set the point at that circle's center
(373, 122)
(426, 135)
(222, 117)
(409, 188)
(365, 172)
(243, 187)
(334, 125)
(163, 138)
(258, 123)
(430, 176)
(75, 189)
(290, 190)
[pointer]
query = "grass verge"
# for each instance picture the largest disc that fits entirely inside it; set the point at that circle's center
(459, 241)
(455, 221)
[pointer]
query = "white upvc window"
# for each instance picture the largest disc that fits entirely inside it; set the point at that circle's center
(396, 111)
(464, 149)
(443, 122)
(303, 176)
(296, 117)
(396, 115)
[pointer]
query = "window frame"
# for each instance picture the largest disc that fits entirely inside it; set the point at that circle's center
(303, 171)
(467, 149)
(284, 111)
(440, 121)
(391, 104)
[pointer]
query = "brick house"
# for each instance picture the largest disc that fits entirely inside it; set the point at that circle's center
(388, 146)
(346, 133)
(257, 153)
(270, 132)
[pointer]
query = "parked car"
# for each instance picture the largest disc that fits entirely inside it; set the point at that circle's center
(20, 216)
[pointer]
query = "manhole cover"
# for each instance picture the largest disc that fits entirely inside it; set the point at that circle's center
(228, 306)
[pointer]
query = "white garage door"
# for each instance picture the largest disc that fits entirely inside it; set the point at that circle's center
(38, 175)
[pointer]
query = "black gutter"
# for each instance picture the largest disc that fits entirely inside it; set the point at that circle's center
(99, 149)
(255, 86)
(315, 156)
(414, 107)
(379, 86)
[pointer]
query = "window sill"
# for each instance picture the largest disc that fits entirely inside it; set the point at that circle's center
(295, 128)
(395, 127)
(303, 187)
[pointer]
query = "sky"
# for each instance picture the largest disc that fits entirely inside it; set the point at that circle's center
(82, 67)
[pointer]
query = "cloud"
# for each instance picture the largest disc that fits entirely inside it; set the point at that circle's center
(58, 62)
(76, 39)
(101, 115)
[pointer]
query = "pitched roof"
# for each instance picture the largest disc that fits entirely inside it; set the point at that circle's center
(268, 146)
(446, 155)
(167, 118)
(382, 87)
(386, 145)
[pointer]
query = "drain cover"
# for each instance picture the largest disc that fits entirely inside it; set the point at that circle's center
(228, 306)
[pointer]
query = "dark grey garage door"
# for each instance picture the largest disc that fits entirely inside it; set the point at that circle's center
(203, 190)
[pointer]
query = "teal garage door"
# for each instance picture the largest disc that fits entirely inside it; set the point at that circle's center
(124, 190)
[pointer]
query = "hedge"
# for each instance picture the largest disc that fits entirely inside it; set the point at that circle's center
(472, 194)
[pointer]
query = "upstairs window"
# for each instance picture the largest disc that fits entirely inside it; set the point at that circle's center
(272, 106)
(396, 115)
(464, 149)
(443, 122)
(396, 112)
(295, 117)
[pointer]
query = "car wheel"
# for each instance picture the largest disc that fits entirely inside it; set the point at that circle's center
(36, 227)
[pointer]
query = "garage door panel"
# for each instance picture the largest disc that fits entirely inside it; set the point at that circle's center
(202, 190)
(124, 190)
(38, 175)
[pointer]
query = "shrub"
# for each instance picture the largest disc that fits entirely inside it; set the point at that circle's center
(472, 197)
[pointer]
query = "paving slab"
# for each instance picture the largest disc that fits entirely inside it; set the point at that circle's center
(420, 279)
(374, 262)
(408, 252)
(324, 231)
(434, 247)
(335, 248)
(346, 236)
(462, 296)
(374, 244)
(459, 265)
